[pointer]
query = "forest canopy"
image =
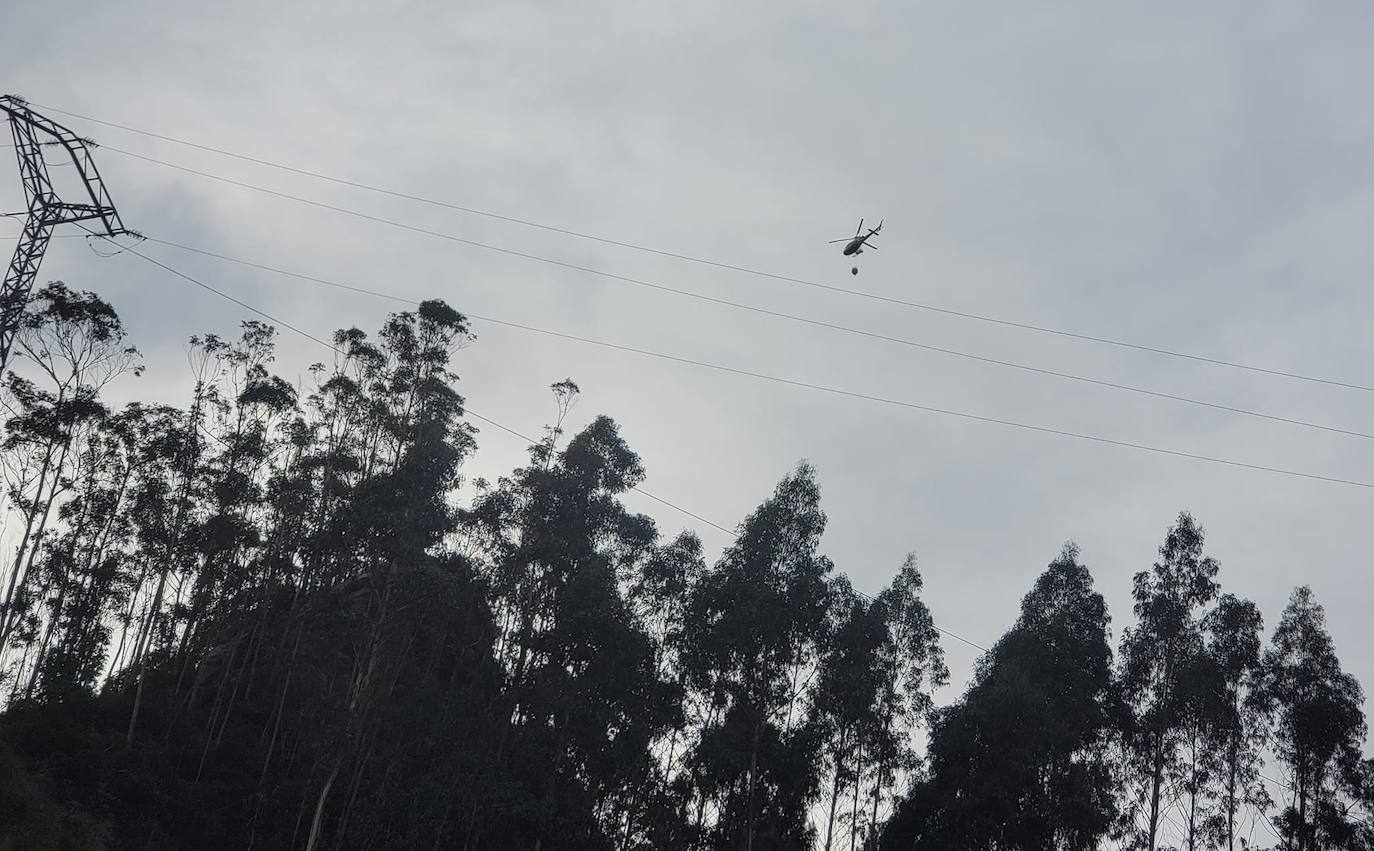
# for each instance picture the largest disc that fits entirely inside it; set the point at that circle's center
(264, 619)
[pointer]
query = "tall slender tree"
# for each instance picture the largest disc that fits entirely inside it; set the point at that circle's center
(1319, 723)
(72, 345)
(586, 689)
(1235, 738)
(309, 638)
(847, 696)
(1160, 661)
(756, 625)
(1023, 760)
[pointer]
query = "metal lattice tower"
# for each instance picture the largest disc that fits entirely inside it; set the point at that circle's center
(45, 209)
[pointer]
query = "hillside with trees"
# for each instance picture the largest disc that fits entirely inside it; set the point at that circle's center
(265, 620)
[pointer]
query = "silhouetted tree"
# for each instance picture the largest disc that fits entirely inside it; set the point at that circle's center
(755, 628)
(74, 345)
(275, 618)
(585, 686)
(1235, 734)
(845, 702)
(1319, 724)
(1162, 674)
(1023, 760)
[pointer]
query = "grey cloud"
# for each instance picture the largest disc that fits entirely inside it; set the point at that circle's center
(1194, 179)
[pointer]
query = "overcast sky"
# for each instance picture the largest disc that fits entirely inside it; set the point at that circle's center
(1189, 177)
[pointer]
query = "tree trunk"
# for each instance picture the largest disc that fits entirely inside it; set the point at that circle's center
(854, 814)
(1303, 843)
(701, 799)
(1192, 796)
(12, 592)
(319, 807)
(877, 791)
(834, 794)
(145, 639)
(125, 622)
(1156, 781)
(1231, 807)
(47, 637)
(753, 770)
(191, 446)
(18, 675)
(9, 615)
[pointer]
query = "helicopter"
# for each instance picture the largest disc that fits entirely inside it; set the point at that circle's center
(856, 243)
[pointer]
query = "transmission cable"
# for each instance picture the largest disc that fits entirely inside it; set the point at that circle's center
(812, 386)
(746, 307)
(665, 502)
(341, 353)
(705, 261)
(467, 410)
(509, 430)
(856, 331)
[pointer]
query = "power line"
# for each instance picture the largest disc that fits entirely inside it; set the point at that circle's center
(467, 410)
(870, 598)
(510, 430)
(670, 357)
(741, 306)
(928, 408)
(339, 352)
(862, 333)
(706, 261)
(953, 635)
(636, 489)
(813, 386)
(506, 428)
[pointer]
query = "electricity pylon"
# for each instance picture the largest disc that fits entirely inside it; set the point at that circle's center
(32, 132)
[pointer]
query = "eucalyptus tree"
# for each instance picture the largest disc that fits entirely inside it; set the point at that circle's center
(72, 344)
(756, 626)
(911, 663)
(88, 567)
(1161, 655)
(1023, 760)
(845, 701)
(1319, 725)
(1236, 735)
(587, 689)
(659, 593)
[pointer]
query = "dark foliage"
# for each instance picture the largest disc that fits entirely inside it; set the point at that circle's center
(1023, 762)
(274, 618)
